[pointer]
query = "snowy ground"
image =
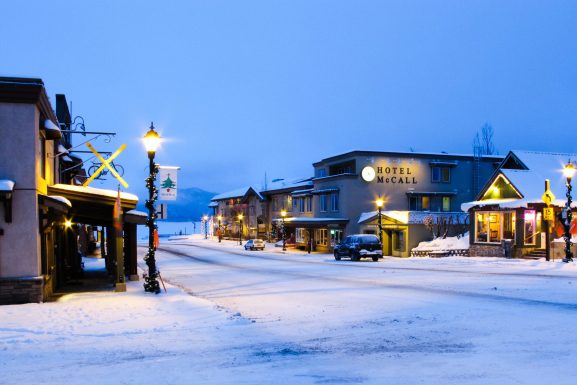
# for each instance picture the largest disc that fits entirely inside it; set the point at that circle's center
(238, 317)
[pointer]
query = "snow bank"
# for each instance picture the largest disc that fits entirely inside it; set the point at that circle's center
(449, 243)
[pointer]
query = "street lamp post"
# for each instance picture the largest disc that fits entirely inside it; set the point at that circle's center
(566, 215)
(151, 142)
(283, 215)
(240, 216)
(219, 230)
(205, 219)
(380, 203)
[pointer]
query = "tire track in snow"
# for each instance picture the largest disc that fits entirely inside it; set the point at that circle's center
(368, 283)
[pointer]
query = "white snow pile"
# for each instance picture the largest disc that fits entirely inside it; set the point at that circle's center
(440, 244)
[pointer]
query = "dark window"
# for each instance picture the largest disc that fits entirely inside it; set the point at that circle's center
(321, 172)
(440, 174)
(343, 168)
(323, 202)
(419, 203)
(335, 202)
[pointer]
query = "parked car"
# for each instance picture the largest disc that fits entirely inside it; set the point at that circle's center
(359, 246)
(254, 244)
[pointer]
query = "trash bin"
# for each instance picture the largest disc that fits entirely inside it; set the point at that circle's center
(507, 245)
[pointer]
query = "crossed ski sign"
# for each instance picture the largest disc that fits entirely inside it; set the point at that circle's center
(106, 163)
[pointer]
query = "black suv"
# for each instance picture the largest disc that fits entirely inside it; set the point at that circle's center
(359, 246)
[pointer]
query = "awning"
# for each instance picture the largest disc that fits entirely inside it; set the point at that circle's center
(92, 205)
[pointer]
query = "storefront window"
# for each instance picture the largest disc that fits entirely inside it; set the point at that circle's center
(509, 226)
(300, 235)
(488, 227)
(493, 226)
(529, 226)
(321, 237)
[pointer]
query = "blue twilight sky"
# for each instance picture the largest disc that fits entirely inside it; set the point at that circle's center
(240, 88)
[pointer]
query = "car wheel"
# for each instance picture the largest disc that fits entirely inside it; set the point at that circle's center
(375, 259)
(337, 256)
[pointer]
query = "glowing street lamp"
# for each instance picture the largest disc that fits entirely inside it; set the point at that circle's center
(219, 230)
(240, 216)
(283, 215)
(151, 142)
(380, 203)
(566, 215)
(205, 219)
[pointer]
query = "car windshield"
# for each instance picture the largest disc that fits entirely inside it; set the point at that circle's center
(369, 239)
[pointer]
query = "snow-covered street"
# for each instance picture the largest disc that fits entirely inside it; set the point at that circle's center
(242, 317)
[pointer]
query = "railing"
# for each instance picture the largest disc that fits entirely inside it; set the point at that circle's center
(440, 253)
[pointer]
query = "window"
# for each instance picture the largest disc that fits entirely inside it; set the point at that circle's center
(309, 204)
(300, 235)
(419, 203)
(323, 202)
(42, 156)
(295, 204)
(321, 172)
(493, 226)
(440, 174)
(425, 203)
(399, 240)
(508, 225)
(274, 204)
(335, 202)
(529, 227)
(446, 203)
(301, 204)
(321, 237)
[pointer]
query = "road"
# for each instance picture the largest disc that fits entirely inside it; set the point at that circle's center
(454, 321)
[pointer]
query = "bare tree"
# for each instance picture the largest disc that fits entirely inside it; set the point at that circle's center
(483, 143)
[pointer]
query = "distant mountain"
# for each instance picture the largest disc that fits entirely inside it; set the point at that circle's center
(190, 205)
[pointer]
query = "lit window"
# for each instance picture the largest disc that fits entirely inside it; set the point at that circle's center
(446, 203)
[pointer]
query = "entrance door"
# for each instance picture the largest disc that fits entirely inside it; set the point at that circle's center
(387, 242)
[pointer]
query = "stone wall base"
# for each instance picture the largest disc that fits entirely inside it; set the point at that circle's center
(21, 290)
(486, 251)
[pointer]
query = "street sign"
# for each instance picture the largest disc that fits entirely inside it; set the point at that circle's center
(548, 213)
(548, 196)
(162, 211)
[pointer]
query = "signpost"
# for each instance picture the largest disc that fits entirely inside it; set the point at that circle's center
(548, 215)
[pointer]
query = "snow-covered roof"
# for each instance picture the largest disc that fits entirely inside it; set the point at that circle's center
(279, 184)
(238, 193)
(213, 204)
(62, 150)
(137, 213)
(49, 125)
(61, 199)
(6, 185)
(282, 184)
(96, 191)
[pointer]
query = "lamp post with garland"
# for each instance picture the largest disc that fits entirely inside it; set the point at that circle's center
(151, 142)
(283, 215)
(205, 220)
(566, 214)
(380, 203)
(240, 216)
(219, 229)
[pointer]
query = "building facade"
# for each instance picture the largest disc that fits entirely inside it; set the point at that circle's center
(510, 206)
(340, 198)
(41, 213)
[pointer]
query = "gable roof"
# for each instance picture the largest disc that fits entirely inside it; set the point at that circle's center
(527, 174)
